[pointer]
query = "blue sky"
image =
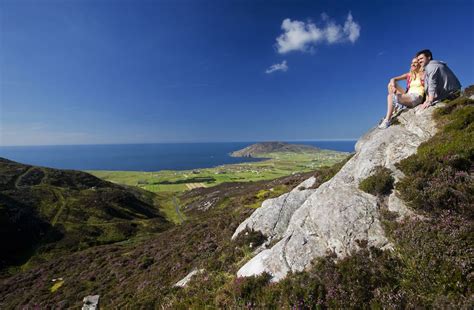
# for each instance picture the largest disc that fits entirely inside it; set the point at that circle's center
(92, 72)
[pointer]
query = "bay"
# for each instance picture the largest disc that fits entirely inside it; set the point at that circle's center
(143, 157)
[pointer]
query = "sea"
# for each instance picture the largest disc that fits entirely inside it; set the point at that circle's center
(144, 157)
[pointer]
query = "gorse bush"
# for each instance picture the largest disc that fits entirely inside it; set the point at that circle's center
(379, 183)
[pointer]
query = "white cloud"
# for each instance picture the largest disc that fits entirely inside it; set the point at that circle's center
(277, 67)
(301, 36)
(351, 28)
(297, 36)
(333, 33)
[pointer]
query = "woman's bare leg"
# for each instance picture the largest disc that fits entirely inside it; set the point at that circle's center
(400, 90)
(389, 107)
(403, 99)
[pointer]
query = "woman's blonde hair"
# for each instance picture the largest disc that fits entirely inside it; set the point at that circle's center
(413, 73)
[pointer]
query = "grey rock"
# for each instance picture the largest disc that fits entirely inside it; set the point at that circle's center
(91, 302)
(184, 281)
(395, 204)
(337, 216)
(272, 218)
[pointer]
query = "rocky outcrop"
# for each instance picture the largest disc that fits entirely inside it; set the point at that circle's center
(337, 217)
(272, 218)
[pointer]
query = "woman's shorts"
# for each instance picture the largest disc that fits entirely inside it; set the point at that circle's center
(414, 100)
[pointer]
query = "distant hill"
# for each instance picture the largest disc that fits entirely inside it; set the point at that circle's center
(268, 147)
(50, 210)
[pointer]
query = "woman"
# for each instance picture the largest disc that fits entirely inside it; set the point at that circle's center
(399, 98)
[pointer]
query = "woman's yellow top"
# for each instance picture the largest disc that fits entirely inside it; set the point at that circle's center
(416, 87)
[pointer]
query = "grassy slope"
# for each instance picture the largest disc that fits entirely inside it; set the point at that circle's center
(46, 212)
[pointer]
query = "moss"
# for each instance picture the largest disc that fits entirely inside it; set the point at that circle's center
(379, 183)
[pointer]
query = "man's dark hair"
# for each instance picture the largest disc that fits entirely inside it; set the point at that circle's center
(427, 53)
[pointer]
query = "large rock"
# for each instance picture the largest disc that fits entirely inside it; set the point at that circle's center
(337, 217)
(272, 218)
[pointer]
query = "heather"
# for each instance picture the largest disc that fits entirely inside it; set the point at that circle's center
(439, 177)
(379, 183)
(431, 263)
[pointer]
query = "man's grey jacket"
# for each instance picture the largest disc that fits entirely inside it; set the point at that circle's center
(440, 81)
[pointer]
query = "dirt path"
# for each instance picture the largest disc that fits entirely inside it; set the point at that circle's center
(176, 208)
(62, 203)
(21, 177)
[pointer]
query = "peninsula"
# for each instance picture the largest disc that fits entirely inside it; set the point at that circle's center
(272, 147)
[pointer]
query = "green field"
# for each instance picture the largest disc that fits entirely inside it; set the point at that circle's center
(169, 184)
(277, 165)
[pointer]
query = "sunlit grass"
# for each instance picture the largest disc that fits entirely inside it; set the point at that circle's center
(277, 165)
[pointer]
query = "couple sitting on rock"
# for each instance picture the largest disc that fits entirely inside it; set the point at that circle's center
(428, 82)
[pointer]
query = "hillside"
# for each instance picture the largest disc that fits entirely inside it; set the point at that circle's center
(141, 272)
(396, 222)
(45, 210)
(429, 263)
(271, 147)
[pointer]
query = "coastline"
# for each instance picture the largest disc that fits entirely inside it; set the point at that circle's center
(268, 166)
(142, 157)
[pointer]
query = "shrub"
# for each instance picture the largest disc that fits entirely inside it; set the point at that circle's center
(379, 183)
(250, 237)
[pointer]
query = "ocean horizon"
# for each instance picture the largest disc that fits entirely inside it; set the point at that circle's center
(145, 156)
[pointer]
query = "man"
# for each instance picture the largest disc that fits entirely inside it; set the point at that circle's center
(440, 81)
